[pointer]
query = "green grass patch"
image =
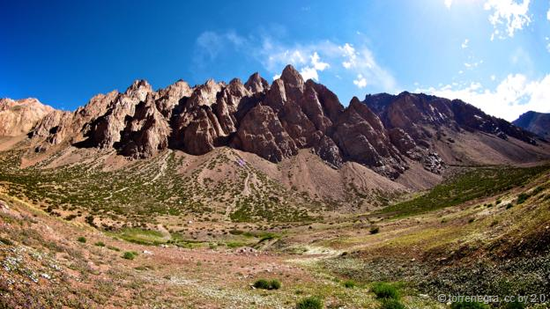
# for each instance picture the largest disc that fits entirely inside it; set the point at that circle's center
(140, 236)
(311, 302)
(100, 244)
(476, 183)
(385, 290)
(129, 255)
(350, 284)
(81, 239)
(392, 304)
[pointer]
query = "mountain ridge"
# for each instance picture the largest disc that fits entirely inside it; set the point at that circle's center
(538, 123)
(385, 133)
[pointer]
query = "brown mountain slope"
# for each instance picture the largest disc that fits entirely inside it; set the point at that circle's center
(387, 134)
(18, 117)
(439, 131)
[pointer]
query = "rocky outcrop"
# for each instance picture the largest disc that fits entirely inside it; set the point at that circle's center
(18, 117)
(262, 133)
(384, 133)
(362, 138)
(147, 132)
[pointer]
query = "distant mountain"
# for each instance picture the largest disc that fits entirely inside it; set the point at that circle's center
(389, 134)
(538, 123)
(20, 116)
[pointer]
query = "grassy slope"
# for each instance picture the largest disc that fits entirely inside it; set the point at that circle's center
(145, 190)
(467, 186)
(490, 245)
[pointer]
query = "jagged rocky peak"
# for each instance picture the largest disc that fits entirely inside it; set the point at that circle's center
(385, 132)
(139, 89)
(256, 83)
(292, 78)
(205, 95)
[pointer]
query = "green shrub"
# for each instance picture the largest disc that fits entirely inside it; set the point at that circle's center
(100, 244)
(261, 284)
(350, 284)
(522, 198)
(275, 284)
(509, 205)
(267, 285)
(81, 239)
(374, 230)
(392, 304)
(311, 302)
(469, 305)
(129, 255)
(385, 291)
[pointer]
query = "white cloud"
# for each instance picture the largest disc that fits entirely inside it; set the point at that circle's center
(464, 44)
(309, 73)
(276, 76)
(317, 63)
(507, 14)
(493, 77)
(314, 58)
(309, 59)
(548, 15)
(360, 82)
(512, 97)
(448, 3)
(362, 62)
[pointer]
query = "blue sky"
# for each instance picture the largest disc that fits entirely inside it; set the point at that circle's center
(494, 54)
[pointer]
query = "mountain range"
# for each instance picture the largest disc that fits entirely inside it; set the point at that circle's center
(389, 134)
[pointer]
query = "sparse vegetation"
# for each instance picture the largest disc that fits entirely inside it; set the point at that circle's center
(311, 302)
(476, 183)
(374, 230)
(469, 305)
(385, 290)
(100, 244)
(129, 255)
(267, 284)
(392, 304)
(81, 239)
(350, 284)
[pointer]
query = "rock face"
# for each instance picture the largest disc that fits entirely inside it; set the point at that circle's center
(538, 123)
(416, 120)
(385, 132)
(19, 117)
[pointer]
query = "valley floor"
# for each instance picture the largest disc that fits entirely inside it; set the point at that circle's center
(489, 244)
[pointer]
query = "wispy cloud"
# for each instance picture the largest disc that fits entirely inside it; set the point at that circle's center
(464, 44)
(448, 3)
(507, 16)
(513, 96)
(362, 61)
(344, 60)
